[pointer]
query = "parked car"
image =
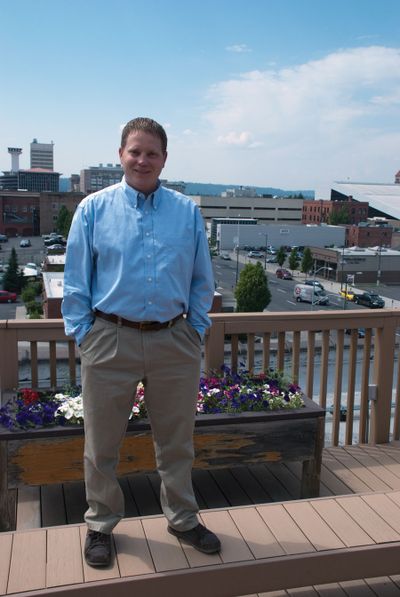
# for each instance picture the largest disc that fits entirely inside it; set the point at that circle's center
(272, 259)
(25, 242)
(369, 299)
(284, 274)
(225, 256)
(255, 254)
(361, 332)
(307, 294)
(7, 297)
(3, 238)
(347, 294)
(314, 283)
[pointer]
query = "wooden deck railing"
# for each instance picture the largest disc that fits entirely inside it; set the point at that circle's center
(344, 367)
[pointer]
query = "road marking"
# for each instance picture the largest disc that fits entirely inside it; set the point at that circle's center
(280, 290)
(291, 302)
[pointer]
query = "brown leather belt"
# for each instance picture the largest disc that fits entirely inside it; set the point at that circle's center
(145, 326)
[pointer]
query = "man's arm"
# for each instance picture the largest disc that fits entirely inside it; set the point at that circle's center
(77, 302)
(202, 285)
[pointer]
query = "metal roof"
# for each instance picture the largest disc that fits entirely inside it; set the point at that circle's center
(383, 197)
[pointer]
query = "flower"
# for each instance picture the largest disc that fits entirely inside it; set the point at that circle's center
(224, 392)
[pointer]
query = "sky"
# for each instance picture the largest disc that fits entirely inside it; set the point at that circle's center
(282, 93)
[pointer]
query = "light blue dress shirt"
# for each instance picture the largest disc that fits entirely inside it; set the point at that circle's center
(141, 259)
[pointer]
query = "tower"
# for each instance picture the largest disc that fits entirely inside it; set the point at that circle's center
(15, 152)
(42, 155)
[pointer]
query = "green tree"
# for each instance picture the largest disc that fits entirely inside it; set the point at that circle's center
(293, 259)
(252, 293)
(13, 279)
(307, 261)
(64, 219)
(281, 256)
(340, 217)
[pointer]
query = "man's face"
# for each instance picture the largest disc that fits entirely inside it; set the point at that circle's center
(142, 160)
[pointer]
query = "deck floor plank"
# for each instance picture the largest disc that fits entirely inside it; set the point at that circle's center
(369, 520)
(52, 505)
(234, 493)
(64, 559)
(165, 549)
(28, 561)
(290, 537)
(357, 588)
(75, 501)
(344, 455)
(254, 489)
(132, 550)
(272, 486)
(334, 484)
(234, 547)
(28, 508)
(286, 477)
(386, 508)
(131, 508)
(143, 494)
(336, 466)
(313, 526)
(209, 490)
(5, 558)
(365, 457)
(350, 533)
(257, 535)
(383, 586)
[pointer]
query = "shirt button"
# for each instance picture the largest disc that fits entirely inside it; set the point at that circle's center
(150, 302)
(149, 279)
(148, 256)
(147, 233)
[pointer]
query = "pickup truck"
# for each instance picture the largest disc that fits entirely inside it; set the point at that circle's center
(369, 299)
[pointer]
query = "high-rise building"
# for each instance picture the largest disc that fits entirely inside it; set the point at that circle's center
(99, 177)
(42, 155)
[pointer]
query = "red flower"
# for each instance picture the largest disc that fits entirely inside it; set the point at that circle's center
(29, 396)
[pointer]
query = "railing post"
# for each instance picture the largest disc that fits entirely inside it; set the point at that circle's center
(383, 378)
(214, 347)
(8, 359)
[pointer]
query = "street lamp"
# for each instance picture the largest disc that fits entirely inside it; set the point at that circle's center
(266, 247)
(378, 274)
(237, 241)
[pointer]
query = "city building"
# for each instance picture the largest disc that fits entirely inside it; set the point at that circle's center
(19, 213)
(99, 177)
(240, 192)
(75, 183)
(34, 180)
(266, 209)
(50, 205)
(53, 290)
(26, 213)
(370, 265)
(319, 211)
(276, 235)
(369, 235)
(179, 186)
(42, 155)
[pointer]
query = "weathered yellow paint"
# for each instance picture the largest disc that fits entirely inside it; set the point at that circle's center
(42, 462)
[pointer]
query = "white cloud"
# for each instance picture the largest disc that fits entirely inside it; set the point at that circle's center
(188, 132)
(308, 121)
(238, 48)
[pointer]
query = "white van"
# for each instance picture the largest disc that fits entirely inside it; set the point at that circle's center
(308, 294)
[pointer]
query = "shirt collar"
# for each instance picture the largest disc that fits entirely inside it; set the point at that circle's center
(133, 194)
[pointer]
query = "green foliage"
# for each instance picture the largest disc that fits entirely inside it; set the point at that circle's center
(28, 294)
(64, 219)
(13, 279)
(252, 293)
(281, 256)
(293, 259)
(340, 217)
(307, 261)
(34, 309)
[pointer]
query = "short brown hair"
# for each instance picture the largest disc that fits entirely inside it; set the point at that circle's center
(148, 126)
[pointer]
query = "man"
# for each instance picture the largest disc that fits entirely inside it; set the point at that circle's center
(137, 288)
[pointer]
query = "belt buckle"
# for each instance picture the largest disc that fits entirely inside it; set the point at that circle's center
(144, 325)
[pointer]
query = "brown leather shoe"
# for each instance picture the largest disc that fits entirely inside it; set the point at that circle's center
(98, 549)
(199, 537)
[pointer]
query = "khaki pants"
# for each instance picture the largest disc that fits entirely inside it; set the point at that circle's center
(113, 360)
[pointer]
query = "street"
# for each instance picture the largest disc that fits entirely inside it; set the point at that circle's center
(227, 272)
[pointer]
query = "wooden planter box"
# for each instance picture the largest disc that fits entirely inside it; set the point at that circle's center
(55, 454)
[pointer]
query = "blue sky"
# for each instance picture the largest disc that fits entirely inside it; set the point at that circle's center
(285, 93)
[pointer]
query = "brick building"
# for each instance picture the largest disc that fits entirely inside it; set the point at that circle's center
(369, 236)
(320, 211)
